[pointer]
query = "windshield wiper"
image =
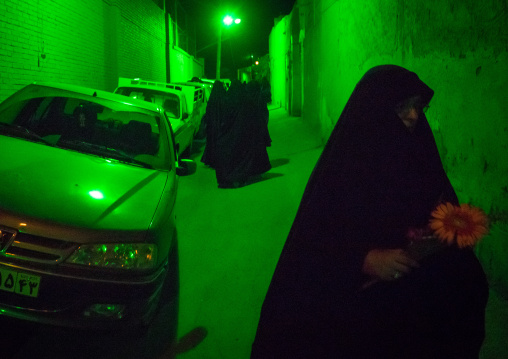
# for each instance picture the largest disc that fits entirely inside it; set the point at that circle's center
(25, 133)
(100, 150)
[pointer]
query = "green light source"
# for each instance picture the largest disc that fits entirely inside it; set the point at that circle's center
(227, 20)
(96, 194)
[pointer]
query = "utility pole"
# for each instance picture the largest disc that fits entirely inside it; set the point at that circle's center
(176, 23)
(167, 19)
(217, 73)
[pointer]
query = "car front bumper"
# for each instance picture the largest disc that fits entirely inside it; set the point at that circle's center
(69, 301)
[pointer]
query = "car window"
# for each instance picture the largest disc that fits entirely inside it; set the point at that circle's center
(107, 129)
(170, 102)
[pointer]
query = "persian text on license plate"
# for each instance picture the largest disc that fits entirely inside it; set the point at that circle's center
(20, 283)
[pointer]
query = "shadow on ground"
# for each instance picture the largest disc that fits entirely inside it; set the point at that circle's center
(279, 162)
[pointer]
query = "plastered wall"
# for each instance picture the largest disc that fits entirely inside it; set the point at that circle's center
(278, 50)
(459, 48)
(184, 67)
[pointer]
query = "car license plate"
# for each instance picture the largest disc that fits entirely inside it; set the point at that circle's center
(20, 283)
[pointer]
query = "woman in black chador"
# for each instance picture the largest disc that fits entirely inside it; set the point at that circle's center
(241, 147)
(379, 175)
(255, 116)
(215, 111)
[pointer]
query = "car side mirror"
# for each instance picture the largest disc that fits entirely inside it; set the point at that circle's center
(186, 167)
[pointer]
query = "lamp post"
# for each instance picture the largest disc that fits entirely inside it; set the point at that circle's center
(228, 20)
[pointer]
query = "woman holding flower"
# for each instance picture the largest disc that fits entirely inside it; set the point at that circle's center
(349, 282)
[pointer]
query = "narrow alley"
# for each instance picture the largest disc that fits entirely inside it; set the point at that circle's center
(230, 240)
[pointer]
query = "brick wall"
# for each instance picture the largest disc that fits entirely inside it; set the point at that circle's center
(142, 41)
(83, 42)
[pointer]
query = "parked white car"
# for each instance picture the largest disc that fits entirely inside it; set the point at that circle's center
(184, 106)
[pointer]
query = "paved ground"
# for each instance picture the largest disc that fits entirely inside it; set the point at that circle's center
(230, 240)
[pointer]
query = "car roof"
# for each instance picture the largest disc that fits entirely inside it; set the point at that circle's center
(152, 85)
(195, 84)
(99, 94)
(148, 87)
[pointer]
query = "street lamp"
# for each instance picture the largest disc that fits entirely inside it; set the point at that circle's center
(227, 20)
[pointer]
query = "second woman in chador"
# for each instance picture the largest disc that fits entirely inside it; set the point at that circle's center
(215, 111)
(243, 138)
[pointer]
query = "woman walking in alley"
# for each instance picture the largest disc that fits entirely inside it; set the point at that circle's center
(241, 146)
(345, 285)
(215, 111)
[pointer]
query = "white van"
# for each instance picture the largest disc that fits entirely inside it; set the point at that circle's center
(184, 106)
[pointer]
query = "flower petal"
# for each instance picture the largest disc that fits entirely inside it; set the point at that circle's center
(450, 207)
(436, 224)
(438, 213)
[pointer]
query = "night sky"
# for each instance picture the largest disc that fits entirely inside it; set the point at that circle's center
(250, 37)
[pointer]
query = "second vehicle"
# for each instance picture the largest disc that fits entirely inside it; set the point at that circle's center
(184, 106)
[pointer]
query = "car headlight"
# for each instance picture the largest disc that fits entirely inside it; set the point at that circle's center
(116, 255)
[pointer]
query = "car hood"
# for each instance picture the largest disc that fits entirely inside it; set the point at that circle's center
(45, 187)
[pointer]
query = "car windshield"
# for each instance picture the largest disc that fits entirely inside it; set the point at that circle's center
(87, 124)
(166, 100)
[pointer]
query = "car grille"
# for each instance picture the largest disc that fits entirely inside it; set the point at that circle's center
(33, 248)
(5, 236)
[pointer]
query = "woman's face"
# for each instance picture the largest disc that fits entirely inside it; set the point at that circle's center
(409, 111)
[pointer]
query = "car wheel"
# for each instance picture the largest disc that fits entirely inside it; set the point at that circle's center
(188, 151)
(171, 286)
(201, 132)
(159, 336)
(167, 311)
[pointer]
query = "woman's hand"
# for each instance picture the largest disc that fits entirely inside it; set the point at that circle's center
(388, 264)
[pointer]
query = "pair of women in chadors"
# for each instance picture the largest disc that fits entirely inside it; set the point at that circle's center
(345, 285)
(237, 133)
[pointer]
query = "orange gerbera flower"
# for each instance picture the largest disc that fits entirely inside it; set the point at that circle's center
(464, 224)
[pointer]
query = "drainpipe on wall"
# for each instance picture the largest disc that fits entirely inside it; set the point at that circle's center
(167, 20)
